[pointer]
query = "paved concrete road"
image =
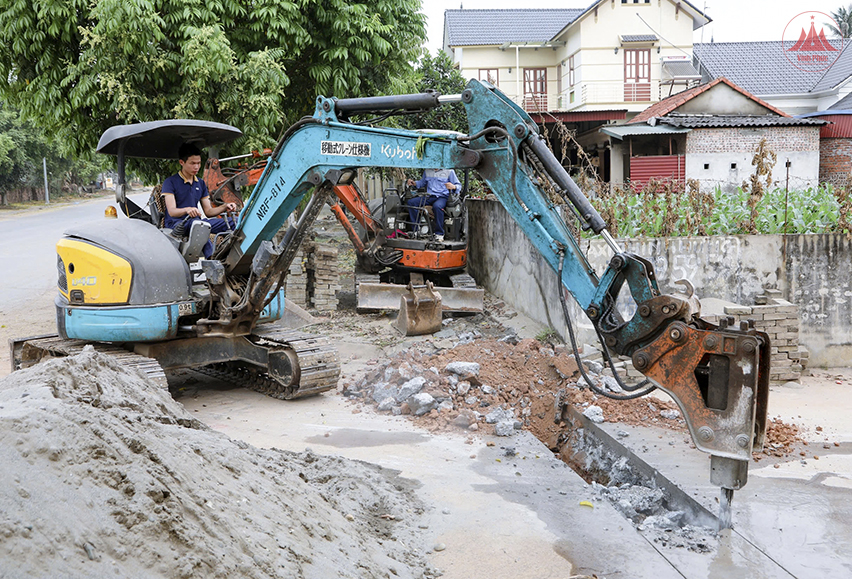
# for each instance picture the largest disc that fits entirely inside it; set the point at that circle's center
(28, 262)
(28, 242)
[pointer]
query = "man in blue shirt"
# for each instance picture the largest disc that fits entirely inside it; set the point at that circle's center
(439, 183)
(183, 191)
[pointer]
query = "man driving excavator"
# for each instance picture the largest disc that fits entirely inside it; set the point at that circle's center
(438, 183)
(182, 192)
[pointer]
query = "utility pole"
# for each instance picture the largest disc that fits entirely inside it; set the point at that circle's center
(46, 193)
(786, 193)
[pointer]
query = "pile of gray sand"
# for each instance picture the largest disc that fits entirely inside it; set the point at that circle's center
(105, 475)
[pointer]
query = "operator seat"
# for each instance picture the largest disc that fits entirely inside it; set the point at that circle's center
(191, 247)
(157, 206)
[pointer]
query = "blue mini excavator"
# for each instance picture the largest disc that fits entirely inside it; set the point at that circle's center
(138, 291)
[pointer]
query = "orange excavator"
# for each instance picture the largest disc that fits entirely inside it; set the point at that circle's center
(401, 265)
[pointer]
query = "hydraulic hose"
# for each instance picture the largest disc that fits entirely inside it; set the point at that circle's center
(573, 339)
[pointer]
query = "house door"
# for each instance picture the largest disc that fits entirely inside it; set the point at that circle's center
(535, 89)
(637, 75)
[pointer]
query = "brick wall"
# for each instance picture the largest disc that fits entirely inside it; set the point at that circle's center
(777, 317)
(835, 161)
(780, 320)
(745, 140)
(314, 278)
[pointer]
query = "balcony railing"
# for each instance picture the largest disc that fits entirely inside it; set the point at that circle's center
(610, 93)
(619, 92)
(536, 103)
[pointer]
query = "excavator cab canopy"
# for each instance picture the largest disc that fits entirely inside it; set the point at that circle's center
(158, 140)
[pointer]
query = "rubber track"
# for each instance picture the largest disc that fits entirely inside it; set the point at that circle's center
(319, 366)
(55, 347)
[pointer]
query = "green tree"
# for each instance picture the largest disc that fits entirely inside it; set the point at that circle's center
(77, 67)
(22, 148)
(843, 17)
(440, 74)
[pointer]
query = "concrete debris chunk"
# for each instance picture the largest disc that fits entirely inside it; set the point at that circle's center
(387, 404)
(464, 419)
(593, 367)
(500, 414)
(410, 388)
(505, 428)
(463, 368)
(422, 403)
(384, 390)
(670, 414)
(594, 413)
(511, 338)
(611, 384)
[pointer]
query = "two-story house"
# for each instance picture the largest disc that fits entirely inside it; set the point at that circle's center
(584, 67)
(613, 58)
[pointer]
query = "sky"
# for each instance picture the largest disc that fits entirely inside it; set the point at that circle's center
(733, 20)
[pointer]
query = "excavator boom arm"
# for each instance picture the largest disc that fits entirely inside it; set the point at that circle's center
(717, 375)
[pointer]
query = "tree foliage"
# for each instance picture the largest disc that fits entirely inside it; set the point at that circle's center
(843, 17)
(23, 147)
(440, 74)
(77, 67)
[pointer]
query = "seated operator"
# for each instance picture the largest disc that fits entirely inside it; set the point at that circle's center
(439, 183)
(182, 192)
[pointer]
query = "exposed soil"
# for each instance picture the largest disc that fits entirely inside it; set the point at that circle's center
(528, 378)
(104, 474)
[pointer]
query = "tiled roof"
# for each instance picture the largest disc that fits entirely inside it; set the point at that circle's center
(713, 121)
(763, 68)
(843, 104)
(639, 38)
(669, 104)
(495, 27)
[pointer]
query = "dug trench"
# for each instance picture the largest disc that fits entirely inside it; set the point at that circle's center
(478, 377)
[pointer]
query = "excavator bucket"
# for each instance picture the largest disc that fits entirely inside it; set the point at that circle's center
(373, 297)
(419, 311)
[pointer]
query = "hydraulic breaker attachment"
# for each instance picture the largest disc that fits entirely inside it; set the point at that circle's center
(419, 311)
(719, 377)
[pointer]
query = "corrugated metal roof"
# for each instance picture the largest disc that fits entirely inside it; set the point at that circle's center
(639, 38)
(762, 68)
(579, 116)
(840, 127)
(838, 123)
(621, 131)
(496, 27)
(722, 121)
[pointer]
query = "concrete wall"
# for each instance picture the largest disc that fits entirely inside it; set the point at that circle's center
(811, 271)
(719, 149)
